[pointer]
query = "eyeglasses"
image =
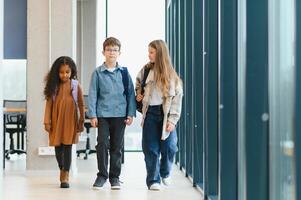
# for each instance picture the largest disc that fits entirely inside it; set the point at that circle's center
(112, 50)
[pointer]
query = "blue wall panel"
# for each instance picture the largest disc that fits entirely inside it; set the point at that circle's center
(256, 123)
(15, 29)
(228, 101)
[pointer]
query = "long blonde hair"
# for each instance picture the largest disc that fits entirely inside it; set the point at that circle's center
(163, 68)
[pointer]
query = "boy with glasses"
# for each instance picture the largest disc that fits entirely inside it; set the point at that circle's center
(111, 107)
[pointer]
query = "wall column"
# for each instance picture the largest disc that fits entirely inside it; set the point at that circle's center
(51, 29)
(86, 30)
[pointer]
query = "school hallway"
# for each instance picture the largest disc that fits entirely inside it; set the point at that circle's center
(21, 184)
(239, 135)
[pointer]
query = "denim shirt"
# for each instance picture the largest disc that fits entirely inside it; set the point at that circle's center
(106, 94)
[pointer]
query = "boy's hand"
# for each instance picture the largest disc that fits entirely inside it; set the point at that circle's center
(47, 127)
(170, 127)
(94, 122)
(128, 121)
(139, 97)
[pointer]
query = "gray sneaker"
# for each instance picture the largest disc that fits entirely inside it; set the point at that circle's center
(115, 184)
(99, 182)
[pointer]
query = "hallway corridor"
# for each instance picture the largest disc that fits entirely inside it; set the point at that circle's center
(25, 185)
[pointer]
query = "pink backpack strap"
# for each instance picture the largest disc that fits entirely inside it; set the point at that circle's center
(74, 89)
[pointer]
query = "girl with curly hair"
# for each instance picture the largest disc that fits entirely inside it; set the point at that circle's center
(64, 112)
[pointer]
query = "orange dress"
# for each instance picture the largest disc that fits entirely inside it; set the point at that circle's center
(62, 114)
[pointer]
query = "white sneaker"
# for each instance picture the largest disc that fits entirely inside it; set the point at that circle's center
(166, 181)
(155, 187)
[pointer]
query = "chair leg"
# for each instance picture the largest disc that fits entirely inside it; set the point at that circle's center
(12, 145)
(22, 140)
(87, 150)
(87, 147)
(4, 139)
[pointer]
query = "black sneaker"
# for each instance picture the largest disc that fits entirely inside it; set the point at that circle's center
(115, 184)
(99, 182)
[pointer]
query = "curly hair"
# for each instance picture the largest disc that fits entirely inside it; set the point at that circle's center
(52, 79)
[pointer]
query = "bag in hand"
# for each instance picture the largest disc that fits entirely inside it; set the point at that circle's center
(139, 104)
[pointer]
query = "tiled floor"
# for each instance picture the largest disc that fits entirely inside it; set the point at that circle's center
(24, 185)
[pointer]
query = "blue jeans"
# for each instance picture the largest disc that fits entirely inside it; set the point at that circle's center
(153, 146)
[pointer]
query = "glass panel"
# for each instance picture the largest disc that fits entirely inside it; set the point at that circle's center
(13, 70)
(282, 69)
(135, 26)
(241, 99)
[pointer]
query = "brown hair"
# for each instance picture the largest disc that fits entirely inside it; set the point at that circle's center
(111, 41)
(163, 68)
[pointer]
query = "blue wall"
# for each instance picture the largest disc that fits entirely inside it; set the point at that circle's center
(15, 29)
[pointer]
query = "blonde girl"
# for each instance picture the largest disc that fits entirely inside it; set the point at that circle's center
(161, 110)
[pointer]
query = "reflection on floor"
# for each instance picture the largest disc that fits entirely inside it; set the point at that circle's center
(19, 184)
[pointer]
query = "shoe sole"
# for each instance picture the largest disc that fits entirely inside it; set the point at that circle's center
(155, 189)
(97, 188)
(115, 188)
(64, 185)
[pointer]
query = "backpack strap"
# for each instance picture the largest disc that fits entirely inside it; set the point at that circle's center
(145, 74)
(74, 88)
(125, 80)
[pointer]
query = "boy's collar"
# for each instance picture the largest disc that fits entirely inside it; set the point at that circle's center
(103, 67)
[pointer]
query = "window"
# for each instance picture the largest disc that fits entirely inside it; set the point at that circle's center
(282, 69)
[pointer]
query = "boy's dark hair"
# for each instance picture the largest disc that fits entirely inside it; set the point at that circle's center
(52, 79)
(111, 41)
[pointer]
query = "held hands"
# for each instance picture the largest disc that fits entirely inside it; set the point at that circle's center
(128, 121)
(170, 127)
(94, 122)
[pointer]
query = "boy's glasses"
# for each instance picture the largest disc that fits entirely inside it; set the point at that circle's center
(112, 50)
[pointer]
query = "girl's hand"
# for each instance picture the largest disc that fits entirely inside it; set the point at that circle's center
(128, 121)
(139, 97)
(47, 127)
(94, 122)
(170, 127)
(80, 128)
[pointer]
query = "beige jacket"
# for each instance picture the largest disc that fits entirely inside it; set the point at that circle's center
(171, 106)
